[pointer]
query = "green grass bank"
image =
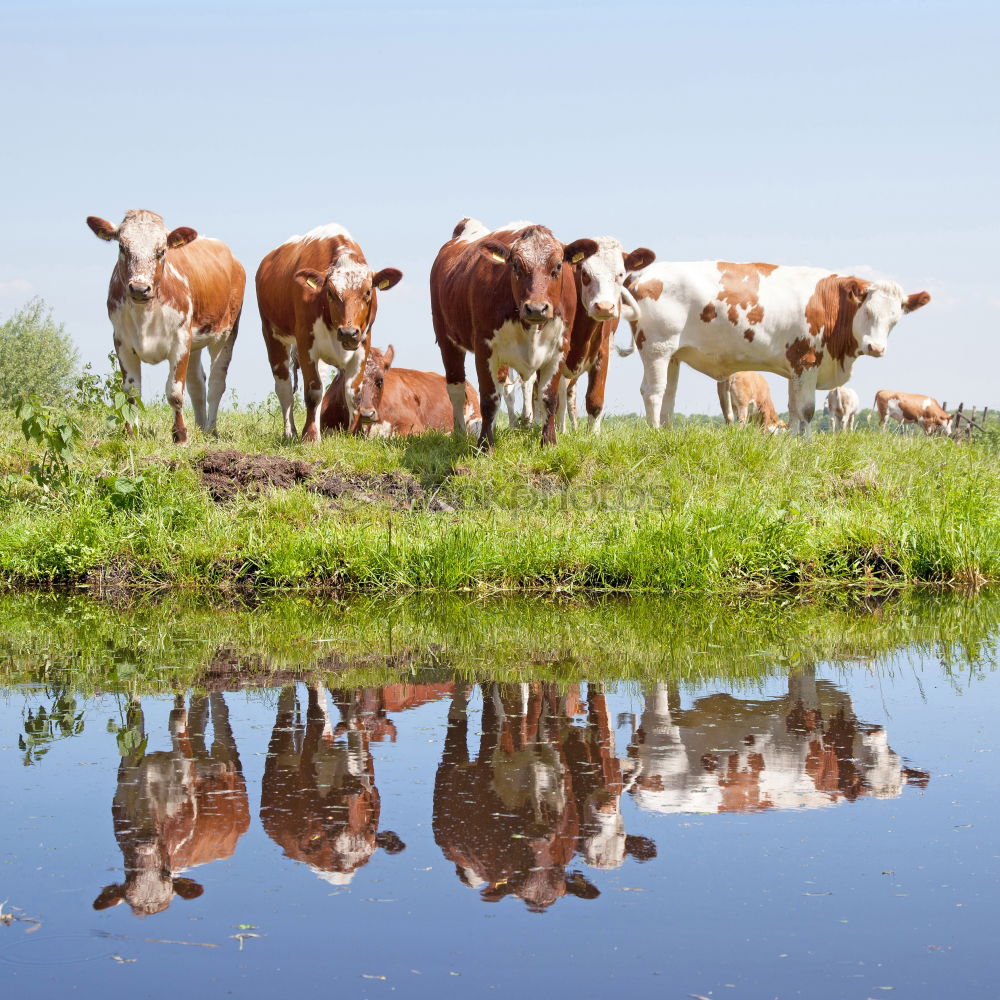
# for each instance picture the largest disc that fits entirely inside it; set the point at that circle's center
(696, 509)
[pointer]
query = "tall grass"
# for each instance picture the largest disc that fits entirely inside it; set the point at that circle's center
(695, 509)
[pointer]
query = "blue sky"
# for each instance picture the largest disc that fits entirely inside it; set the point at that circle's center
(845, 135)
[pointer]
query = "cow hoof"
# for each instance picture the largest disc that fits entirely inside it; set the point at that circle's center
(310, 434)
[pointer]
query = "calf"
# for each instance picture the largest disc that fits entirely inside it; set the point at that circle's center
(318, 298)
(395, 402)
(842, 404)
(748, 393)
(509, 298)
(171, 295)
(912, 408)
(803, 323)
(600, 285)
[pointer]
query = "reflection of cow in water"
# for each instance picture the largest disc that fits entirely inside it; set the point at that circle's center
(319, 801)
(804, 750)
(512, 819)
(176, 809)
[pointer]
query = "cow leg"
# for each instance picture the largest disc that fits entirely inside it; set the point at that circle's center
(131, 368)
(881, 423)
(802, 401)
(312, 389)
(176, 379)
(196, 386)
(489, 400)
(217, 377)
(725, 401)
(655, 362)
(280, 357)
(550, 378)
(848, 424)
(670, 396)
(571, 410)
(508, 386)
(562, 403)
(597, 379)
(454, 372)
(531, 400)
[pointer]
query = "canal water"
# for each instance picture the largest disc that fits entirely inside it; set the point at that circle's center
(794, 816)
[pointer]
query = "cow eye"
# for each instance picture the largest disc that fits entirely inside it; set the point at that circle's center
(378, 383)
(161, 253)
(368, 294)
(556, 271)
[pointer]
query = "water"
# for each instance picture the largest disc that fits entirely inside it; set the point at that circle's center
(809, 827)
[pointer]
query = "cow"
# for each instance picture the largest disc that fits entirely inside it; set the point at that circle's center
(600, 286)
(806, 324)
(318, 298)
(842, 404)
(912, 408)
(746, 396)
(319, 801)
(173, 294)
(394, 402)
(803, 750)
(174, 809)
(509, 298)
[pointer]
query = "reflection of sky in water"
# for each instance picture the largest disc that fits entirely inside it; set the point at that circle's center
(764, 837)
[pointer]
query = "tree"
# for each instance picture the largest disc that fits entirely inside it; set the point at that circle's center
(37, 356)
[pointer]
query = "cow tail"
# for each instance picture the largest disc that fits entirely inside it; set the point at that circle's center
(628, 301)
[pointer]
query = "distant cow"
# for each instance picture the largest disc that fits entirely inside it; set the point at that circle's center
(745, 396)
(318, 298)
(395, 402)
(171, 295)
(177, 808)
(803, 323)
(912, 408)
(600, 284)
(843, 405)
(509, 298)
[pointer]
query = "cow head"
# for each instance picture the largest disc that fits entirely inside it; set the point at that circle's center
(536, 260)
(351, 293)
(602, 277)
(143, 243)
(149, 887)
(879, 305)
(370, 397)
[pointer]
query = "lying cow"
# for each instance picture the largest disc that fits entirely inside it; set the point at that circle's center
(173, 294)
(509, 298)
(318, 298)
(843, 405)
(395, 402)
(747, 396)
(912, 408)
(803, 323)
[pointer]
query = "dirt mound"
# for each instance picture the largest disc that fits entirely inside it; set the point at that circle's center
(398, 489)
(226, 473)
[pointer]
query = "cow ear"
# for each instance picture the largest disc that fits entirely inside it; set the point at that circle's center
(577, 885)
(579, 250)
(110, 895)
(641, 848)
(386, 278)
(639, 259)
(181, 237)
(854, 288)
(187, 888)
(915, 301)
(101, 228)
(495, 251)
(389, 842)
(387, 358)
(312, 281)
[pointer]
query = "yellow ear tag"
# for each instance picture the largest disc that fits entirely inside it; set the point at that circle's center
(499, 258)
(312, 284)
(383, 285)
(176, 244)
(577, 257)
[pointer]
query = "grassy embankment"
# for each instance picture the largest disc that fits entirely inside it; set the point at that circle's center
(695, 509)
(142, 643)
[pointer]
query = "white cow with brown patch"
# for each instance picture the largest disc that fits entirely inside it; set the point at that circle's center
(803, 323)
(173, 294)
(843, 405)
(912, 408)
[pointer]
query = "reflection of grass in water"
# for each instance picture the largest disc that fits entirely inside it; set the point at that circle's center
(155, 643)
(694, 509)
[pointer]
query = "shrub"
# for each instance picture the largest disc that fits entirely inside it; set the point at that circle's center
(37, 356)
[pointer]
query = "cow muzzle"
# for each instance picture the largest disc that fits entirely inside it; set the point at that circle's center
(140, 291)
(536, 312)
(349, 337)
(367, 416)
(875, 350)
(602, 311)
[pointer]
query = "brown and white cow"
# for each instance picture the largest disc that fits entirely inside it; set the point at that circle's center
(747, 396)
(843, 405)
(600, 286)
(318, 298)
(171, 295)
(178, 808)
(803, 323)
(509, 298)
(395, 402)
(912, 408)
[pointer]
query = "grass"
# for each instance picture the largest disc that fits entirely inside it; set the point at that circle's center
(696, 509)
